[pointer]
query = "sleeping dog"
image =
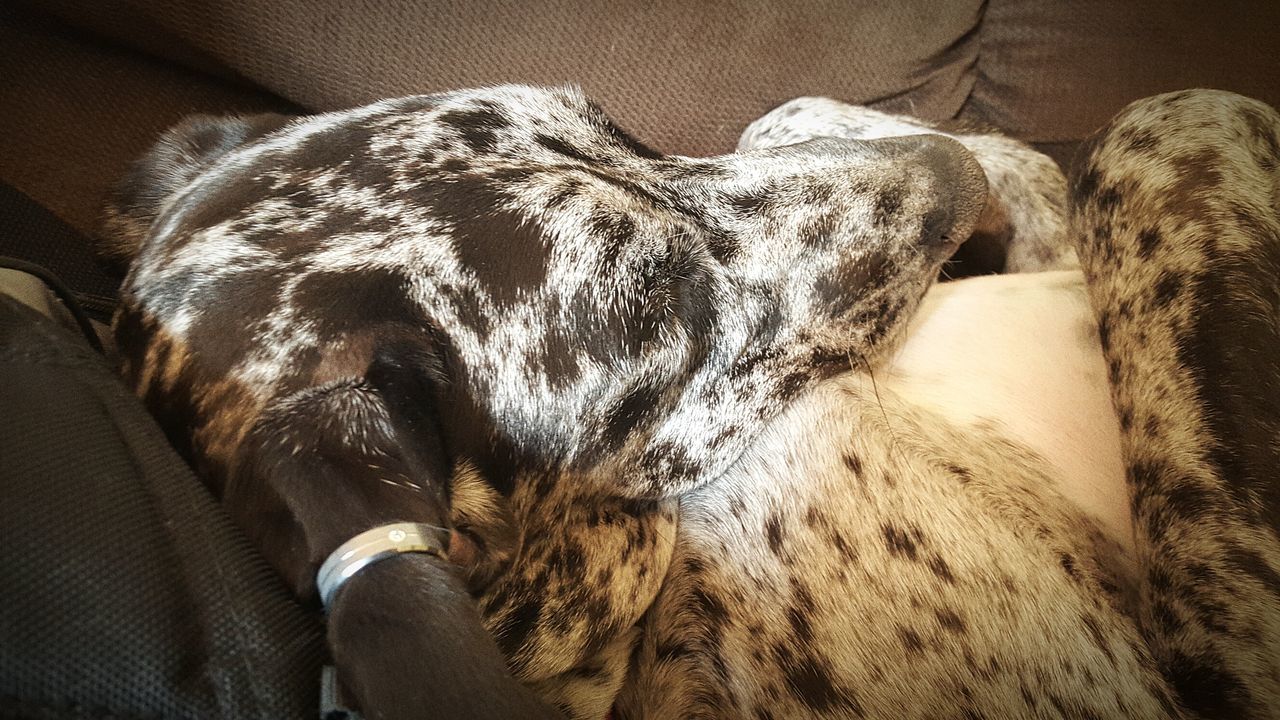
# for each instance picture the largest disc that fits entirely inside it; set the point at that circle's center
(572, 425)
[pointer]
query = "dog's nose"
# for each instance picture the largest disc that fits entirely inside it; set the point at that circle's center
(956, 186)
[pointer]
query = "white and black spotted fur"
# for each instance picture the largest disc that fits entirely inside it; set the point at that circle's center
(642, 391)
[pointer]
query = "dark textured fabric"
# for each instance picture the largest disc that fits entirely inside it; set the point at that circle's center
(1054, 71)
(124, 590)
(685, 77)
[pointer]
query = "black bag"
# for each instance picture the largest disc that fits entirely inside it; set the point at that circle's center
(125, 591)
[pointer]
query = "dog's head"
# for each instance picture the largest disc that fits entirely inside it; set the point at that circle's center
(591, 304)
(329, 313)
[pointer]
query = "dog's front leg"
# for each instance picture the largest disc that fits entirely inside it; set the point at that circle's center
(328, 464)
(408, 642)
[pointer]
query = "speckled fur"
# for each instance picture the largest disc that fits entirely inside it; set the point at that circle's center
(1024, 225)
(688, 498)
(1178, 220)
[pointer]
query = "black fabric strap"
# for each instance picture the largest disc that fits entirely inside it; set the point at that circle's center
(30, 232)
(64, 293)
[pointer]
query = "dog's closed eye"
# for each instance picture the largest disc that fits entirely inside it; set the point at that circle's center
(675, 289)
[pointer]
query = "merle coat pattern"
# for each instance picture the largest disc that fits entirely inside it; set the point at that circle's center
(632, 386)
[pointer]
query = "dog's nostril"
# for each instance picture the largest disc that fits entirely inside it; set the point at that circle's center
(939, 224)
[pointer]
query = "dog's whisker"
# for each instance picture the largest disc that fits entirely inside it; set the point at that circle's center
(875, 389)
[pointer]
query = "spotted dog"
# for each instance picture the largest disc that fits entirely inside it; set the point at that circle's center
(677, 412)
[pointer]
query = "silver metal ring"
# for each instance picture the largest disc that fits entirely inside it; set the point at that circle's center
(373, 545)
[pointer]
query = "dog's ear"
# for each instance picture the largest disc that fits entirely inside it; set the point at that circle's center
(177, 157)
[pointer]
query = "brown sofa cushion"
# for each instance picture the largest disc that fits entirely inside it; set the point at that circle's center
(77, 111)
(684, 76)
(1053, 72)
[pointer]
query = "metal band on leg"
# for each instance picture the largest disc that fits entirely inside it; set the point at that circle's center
(373, 545)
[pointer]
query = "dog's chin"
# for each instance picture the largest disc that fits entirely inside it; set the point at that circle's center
(879, 354)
